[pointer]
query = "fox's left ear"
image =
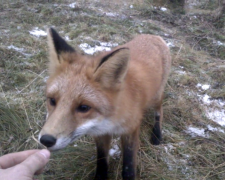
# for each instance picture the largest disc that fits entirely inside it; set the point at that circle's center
(58, 48)
(112, 68)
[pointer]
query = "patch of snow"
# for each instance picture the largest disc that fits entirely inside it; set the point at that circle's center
(206, 99)
(203, 87)
(131, 6)
(174, 161)
(37, 32)
(67, 38)
(194, 131)
(170, 44)
(215, 129)
(91, 50)
(220, 43)
(168, 148)
(15, 48)
(214, 109)
(111, 14)
(20, 50)
(72, 5)
(108, 44)
(180, 72)
(163, 9)
(217, 116)
(75, 145)
(114, 151)
(104, 46)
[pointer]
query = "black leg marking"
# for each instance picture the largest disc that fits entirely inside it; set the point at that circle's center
(128, 172)
(102, 144)
(102, 165)
(156, 131)
(130, 144)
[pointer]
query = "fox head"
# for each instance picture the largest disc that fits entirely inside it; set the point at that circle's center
(81, 93)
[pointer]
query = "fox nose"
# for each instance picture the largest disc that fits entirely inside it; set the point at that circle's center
(48, 140)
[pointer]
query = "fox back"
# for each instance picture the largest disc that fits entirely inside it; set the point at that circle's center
(105, 94)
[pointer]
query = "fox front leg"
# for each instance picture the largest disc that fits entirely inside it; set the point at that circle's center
(130, 144)
(156, 137)
(103, 145)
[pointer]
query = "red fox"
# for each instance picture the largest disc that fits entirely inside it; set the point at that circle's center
(104, 95)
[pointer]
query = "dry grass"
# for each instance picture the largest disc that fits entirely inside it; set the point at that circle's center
(196, 59)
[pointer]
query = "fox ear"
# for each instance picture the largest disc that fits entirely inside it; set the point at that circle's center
(57, 48)
(112, 68)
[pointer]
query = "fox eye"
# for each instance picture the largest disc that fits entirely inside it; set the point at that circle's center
(83, 108)
(52, 101)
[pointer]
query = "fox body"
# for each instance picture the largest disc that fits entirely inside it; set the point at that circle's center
(105, 94)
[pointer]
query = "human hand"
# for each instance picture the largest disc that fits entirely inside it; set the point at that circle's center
(23, 165)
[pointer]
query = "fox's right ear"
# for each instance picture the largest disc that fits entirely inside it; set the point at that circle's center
(112, 68)
(58, 48)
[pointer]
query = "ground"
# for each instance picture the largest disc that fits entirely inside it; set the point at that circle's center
(194, 117)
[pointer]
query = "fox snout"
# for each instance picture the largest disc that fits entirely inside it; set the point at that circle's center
(48, 140)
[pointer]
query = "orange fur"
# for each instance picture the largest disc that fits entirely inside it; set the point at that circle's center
(118, 90)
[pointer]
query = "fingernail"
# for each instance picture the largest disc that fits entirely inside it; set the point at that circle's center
(45, 153)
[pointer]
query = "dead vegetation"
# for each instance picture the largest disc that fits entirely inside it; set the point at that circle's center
(197, 44)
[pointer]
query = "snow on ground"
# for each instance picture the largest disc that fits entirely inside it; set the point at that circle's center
(217, 116)
(72, 5)
(214, 108)
(104, 46)
(180, 72)
(91, 50)
(15, 48)
(203, 87)
(163, 9)
(174, 161)
(20, 50)
(218, 43)
(109, 14)
(170, 43)
(194, 131)
(67, 38)
(114, 151)
(210, 128)
(38, 32)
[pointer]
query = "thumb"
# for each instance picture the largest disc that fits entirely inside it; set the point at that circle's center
(36, 161)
